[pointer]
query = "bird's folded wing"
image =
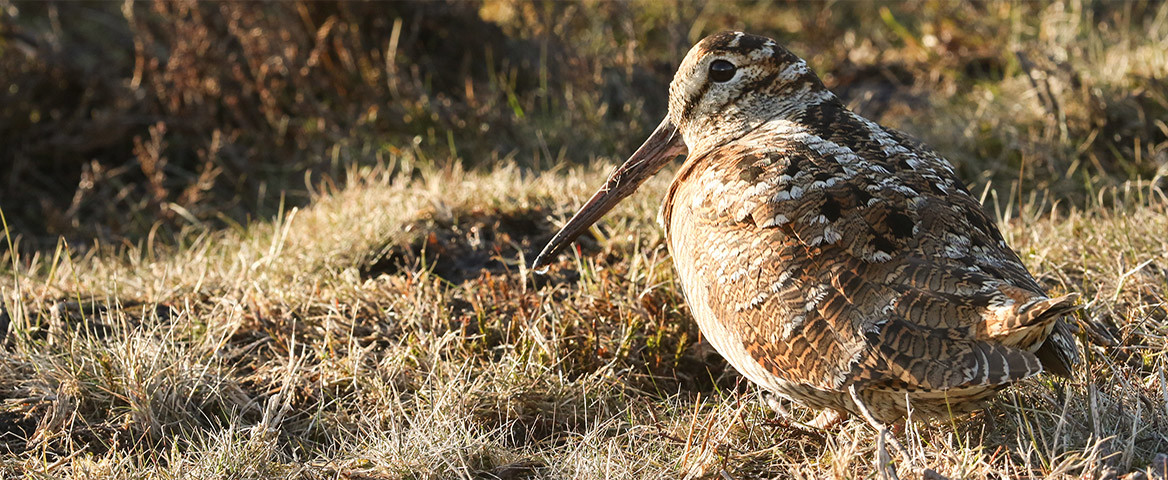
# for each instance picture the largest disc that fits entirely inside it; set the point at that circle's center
(833, 278)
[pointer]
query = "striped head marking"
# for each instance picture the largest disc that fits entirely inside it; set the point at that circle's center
(732, 82)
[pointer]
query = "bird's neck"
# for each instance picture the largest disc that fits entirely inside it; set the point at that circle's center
(810, 108)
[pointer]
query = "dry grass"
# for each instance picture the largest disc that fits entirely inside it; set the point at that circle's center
(385, 326)
(326, 343)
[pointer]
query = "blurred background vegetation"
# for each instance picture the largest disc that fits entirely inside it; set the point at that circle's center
(123, 120)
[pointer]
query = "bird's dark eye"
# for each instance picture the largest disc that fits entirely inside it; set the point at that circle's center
(722, 70)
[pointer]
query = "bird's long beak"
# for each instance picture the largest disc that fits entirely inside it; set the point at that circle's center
(662, 146)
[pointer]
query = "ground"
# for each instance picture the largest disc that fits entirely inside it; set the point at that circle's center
(378, 320)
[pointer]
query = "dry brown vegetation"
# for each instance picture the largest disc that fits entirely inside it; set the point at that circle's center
(249, 240)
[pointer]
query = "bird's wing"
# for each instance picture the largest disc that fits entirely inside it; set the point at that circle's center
(838, 272)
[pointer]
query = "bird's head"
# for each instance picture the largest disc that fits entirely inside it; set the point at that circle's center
(729, 84)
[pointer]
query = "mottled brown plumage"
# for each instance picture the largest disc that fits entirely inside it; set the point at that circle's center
(820, 252)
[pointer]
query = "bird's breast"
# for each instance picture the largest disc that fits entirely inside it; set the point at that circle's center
(700, 263)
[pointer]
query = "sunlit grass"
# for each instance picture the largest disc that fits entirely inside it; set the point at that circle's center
(269, 351)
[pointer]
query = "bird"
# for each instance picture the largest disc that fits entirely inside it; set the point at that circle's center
(832, 261)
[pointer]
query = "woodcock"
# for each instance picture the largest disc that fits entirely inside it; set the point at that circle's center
(830, 260)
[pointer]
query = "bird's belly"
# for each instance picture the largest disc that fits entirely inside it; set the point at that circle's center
(687, 239)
